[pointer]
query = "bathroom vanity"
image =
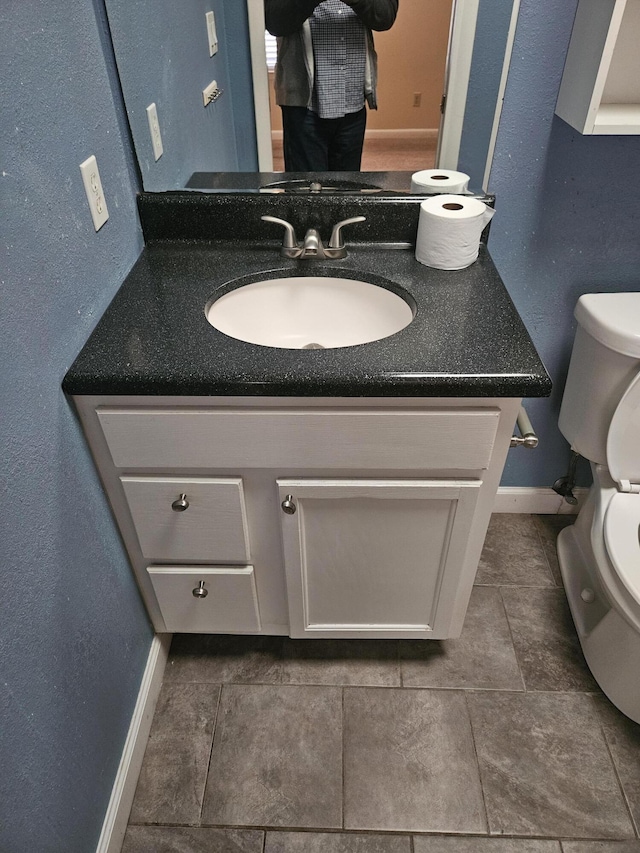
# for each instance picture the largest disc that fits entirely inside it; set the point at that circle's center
(311, 493)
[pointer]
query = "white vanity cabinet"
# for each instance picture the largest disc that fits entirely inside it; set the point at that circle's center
(600, 89)
(302, 516)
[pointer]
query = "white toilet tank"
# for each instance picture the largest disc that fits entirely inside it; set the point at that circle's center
(604, 360)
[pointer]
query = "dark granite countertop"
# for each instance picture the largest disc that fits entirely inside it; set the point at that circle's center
(466, 339)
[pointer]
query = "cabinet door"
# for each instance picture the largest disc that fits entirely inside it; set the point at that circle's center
(374, 558)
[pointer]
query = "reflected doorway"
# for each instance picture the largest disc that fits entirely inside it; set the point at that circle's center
(402, 134)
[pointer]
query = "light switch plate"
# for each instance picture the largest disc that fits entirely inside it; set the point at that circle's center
(211, 33)
(154, 130)
(93, 189)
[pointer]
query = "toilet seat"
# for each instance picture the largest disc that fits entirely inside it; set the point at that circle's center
(621, 536)
(622, 517)
(623, 444)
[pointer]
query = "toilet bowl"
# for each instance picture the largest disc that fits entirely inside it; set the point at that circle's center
(600, 554)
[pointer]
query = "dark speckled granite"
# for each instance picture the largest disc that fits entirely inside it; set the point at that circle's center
(204, 216)
(399, 182)
(466, 340)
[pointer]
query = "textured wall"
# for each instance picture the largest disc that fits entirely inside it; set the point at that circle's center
(163, 58)
(492, 29)
(74, 637)
(567, 221)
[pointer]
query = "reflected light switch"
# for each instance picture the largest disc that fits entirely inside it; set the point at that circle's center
(211, 33)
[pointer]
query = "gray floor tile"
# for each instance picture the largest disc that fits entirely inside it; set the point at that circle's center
(545, 639)
(336, 842)
(372, 663)
(601, 846)
(482, 657)
(623, 737)
(409, 762)
(450, 844)
(276, 758)
(174, 770)
(545, 766)
(549, 526)
(175, 839)
(221, 659)
(513, 553)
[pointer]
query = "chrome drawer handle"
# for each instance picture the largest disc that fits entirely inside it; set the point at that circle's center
(200, 591)
(288, 505)
(180, 504)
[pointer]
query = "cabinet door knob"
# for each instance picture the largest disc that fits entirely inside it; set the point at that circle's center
(288, 505)
(180, 504)
(200, 591)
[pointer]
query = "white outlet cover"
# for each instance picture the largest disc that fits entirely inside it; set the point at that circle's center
(93, 189)
(154, 130)
(211, 33)
(209, 93)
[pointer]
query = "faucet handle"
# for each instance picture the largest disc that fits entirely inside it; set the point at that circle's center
(290, 241)
(336, 241)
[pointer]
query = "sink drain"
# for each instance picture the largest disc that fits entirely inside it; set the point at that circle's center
(313, 346)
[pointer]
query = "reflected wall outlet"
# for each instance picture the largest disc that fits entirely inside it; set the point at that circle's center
(154, 129)
(211, 93)
(211, 33)
(93, 189)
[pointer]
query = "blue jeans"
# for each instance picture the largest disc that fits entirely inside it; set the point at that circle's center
(314, 144)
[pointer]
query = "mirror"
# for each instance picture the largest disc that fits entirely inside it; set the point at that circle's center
(165, 58)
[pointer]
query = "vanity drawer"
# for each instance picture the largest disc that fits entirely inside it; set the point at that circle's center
(229, 606)
(209, 523)
(458, 439)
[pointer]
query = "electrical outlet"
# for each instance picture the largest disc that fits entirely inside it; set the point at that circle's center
(417, 99)
(154, 129)
(211, 93)
(211, 33)
(93, 189)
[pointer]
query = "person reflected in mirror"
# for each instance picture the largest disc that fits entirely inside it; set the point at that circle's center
(326, 74)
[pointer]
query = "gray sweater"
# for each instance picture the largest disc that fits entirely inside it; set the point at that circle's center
(288, 20)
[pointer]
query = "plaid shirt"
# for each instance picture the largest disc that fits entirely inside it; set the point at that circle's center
(340, 50)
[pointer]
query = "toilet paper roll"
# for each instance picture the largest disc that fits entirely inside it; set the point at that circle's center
(449, 231)
(439, 181)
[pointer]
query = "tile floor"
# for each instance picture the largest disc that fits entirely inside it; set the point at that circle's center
(499, 742)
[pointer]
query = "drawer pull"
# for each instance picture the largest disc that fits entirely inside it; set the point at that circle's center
(180, 504)
(200, 591)
(288, 505)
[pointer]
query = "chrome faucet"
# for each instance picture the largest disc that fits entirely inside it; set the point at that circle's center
(312, 246)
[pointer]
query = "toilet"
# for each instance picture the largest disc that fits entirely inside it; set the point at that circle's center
(599, 555)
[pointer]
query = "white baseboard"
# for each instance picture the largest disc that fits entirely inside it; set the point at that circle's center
(124, 787)
(538, 501)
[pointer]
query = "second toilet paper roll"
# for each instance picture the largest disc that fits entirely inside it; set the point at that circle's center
(449, 231)
(439, 181)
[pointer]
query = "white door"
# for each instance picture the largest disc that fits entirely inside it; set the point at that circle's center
(374, 558)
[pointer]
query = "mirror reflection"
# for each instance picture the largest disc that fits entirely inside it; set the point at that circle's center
(206, 93)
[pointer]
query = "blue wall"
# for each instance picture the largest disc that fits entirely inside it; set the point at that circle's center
(492, 29)
(567, 221)
(74, 637)
(163, 58)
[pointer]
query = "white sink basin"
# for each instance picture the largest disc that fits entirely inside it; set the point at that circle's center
(309, 312)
